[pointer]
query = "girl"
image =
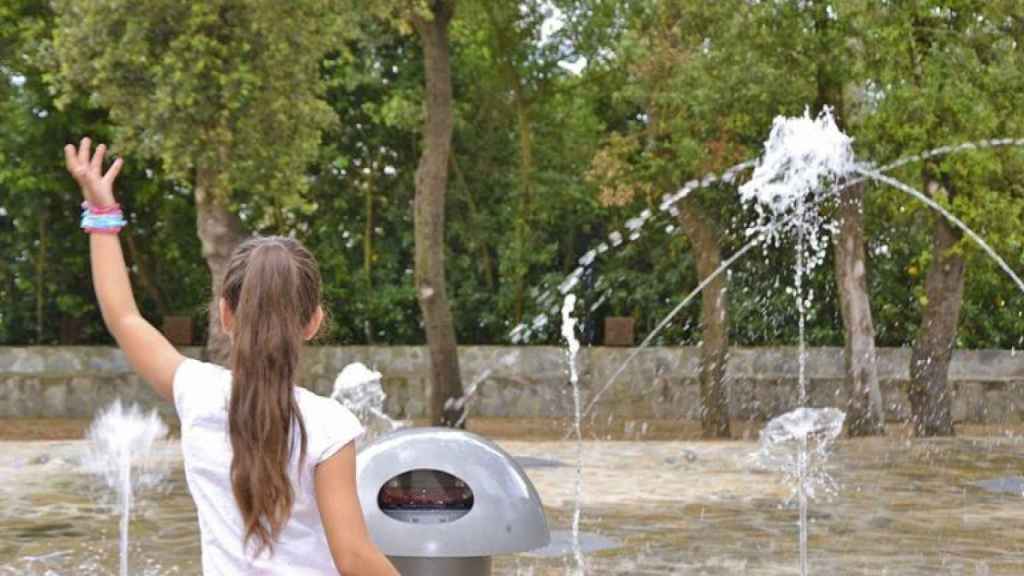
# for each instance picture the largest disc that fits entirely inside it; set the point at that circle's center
(271, 466)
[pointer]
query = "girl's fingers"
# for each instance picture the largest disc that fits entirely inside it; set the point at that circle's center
(71, 159)
(115, 169)
(96, 166)
(83, 151)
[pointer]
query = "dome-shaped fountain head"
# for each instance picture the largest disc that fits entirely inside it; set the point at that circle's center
(443, 493)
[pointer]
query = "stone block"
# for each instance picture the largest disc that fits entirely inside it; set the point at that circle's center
(55, 397)
(659, 382)
(20, 398)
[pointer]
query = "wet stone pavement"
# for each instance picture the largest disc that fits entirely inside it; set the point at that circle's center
(904, 507)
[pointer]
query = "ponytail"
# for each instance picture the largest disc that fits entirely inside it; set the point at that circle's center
(272, 286)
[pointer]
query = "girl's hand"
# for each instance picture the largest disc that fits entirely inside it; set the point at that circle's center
(97, 188)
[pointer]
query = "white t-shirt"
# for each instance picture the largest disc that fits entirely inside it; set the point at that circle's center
(201, 394)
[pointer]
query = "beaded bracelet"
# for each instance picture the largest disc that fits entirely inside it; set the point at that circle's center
(102, 219)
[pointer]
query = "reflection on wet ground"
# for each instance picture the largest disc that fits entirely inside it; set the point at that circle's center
(946, 506)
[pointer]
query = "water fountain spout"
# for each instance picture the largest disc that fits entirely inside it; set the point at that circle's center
(798, 444)
(569, 334)
(121, 441)
(359, 389)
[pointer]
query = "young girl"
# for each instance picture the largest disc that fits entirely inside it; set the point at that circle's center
(271, 466)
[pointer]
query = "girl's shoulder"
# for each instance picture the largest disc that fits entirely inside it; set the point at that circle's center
(329, 425)
(200, 387)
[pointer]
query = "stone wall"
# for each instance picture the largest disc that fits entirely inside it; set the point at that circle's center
(988, 386)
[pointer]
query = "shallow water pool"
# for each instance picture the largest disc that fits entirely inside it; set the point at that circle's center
(921, 507)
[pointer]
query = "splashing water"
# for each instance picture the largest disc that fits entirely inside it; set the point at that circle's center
(798, 443)
(804, 159)
(569, 334)
(769, 231)
(359, 389)
(121, 442)
(523, 332)
(819, 427)
(800, 154)
(464, 402)
(668, 206)
(803, 162)
(951, 218)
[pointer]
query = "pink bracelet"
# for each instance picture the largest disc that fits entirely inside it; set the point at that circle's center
(103, 219)
(114, 208)
(102, 230)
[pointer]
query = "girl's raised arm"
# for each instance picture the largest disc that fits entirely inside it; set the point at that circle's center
(149, 353)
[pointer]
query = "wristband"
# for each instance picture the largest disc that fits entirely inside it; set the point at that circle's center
(109, 209)
(104, 220)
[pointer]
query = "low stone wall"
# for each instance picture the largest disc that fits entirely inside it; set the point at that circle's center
(987, 386)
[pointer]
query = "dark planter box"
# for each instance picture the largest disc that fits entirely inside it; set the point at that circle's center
(70, 330)
(618, 331)
(178, 329)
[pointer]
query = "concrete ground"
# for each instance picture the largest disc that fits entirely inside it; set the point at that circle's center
(900, 507)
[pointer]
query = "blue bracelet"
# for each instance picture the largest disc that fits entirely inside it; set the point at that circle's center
(103, 221)
(111, 221)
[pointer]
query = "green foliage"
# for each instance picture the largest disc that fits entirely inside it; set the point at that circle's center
(949, 75)
(231, 85)
(361, 225)
(310, 113)
(46, 294)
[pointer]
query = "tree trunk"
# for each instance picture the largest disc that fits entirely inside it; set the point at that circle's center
(41, 257)
(523, 214)
(865, 411)
(370, 183)
(930, 402)
(145, 275)
(431, 186)
(714, 417)
(220, 232)
(865, 414)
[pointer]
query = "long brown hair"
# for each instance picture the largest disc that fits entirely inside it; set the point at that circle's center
(272, 287)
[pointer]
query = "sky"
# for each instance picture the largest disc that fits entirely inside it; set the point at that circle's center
(551, 26)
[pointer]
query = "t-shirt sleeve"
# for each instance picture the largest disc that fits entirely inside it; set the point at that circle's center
(193, 386)
(338, 426)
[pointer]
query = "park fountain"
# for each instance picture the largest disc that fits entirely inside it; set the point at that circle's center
(523, 331)
(806, 163)
(804, 160)
(121, 442)
(797, 443)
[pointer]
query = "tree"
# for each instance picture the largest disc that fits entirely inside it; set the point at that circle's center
(431, 21)
(913, 86)
(362, 184)
(833, 48)
(226, 94)
(44, 299)
(668, 48)
(431, 188)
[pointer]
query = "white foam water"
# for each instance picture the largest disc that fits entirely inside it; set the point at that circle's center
(121, 442)
(800, 155)
(359, 389)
